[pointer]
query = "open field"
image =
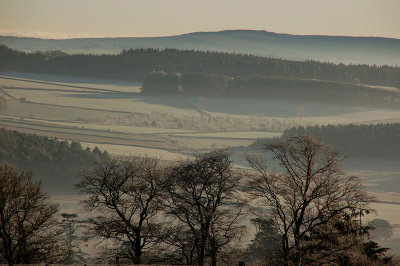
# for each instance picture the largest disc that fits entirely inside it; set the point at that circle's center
(116, 101)
(125, 150)
(114, 106)
(232, 135)
(114, 117)
(86, 135)
(43, 81)
(113, 113)
(384, 88)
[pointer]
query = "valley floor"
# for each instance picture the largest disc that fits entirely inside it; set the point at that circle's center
(115, 117)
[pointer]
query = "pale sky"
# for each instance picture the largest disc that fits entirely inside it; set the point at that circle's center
(142, 18)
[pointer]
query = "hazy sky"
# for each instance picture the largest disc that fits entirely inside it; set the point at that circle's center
(102, 18)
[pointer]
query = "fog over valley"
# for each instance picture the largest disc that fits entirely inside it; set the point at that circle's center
(214, 147)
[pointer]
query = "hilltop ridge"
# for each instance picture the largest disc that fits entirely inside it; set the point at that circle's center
(336, 49)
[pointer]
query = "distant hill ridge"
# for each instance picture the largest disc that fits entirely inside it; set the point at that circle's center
(189, 72)
(336, 49)
(138, 64)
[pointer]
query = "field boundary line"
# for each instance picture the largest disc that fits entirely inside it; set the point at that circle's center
(57, 84)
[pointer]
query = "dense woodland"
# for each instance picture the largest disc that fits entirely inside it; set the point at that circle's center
(267, 87)
(176, 72)
(371, 141)
(49, 159)
(137, 64)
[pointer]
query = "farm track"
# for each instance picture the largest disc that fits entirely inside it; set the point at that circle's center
(7, 94)
(210, 137)
(387, 202)
(83, 108)
(61, 85)
(58, 90)
(89, 135)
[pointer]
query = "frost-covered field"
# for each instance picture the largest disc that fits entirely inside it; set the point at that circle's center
(115, 108)
(115, 117)
(44, 81)
(113, 114)
(124, 150)
(233, 135)
(105, 112)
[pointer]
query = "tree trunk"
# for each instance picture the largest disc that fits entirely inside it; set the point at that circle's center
(213, 256)
(202, 250)
(285, 250)
(137, 250)
(201, 256)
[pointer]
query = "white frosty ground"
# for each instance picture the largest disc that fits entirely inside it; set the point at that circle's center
(124, 150)
(359, 117)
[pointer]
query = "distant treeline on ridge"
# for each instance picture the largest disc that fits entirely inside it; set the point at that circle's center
(197, 73)
(139, 63)
(367, 141)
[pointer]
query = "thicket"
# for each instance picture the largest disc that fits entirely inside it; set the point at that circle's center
(369, 141)
(48, 158)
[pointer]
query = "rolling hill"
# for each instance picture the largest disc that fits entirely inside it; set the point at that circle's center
(336, 49)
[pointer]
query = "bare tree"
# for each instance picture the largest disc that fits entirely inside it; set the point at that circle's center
(307, 195)
(70, 225)
(265, 247)
(28, 224)
(203, 199)
(124, 200)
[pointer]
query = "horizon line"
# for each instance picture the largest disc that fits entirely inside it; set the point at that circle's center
(17, 35)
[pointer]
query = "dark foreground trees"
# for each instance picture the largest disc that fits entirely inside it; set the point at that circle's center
(186, 213)
(190, 212)
(27, 220)
(204, 202)
(312, 204)
(124, 198)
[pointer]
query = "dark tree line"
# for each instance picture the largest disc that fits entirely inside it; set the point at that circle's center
(137, 64)
(310, 200)
(267, 87)
(191, 211)
(131, 190)
(308, 211)
(368, 141)
(49, 158)
(203, 199)
(186, 213)
(28, 223)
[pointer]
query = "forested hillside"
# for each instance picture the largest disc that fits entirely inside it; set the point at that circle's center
(195, 84)
(371, 141)
(50, 159)
(137, 64)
